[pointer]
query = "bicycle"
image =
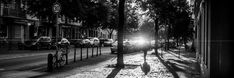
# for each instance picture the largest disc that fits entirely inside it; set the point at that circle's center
(59, 58)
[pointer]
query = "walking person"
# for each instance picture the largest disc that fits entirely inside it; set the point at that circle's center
(145, 48)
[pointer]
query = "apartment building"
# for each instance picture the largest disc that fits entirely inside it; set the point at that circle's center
(213, 37)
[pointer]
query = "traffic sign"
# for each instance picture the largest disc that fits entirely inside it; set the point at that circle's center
(56, 7)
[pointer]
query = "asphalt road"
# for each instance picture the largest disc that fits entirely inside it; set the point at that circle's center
(40, 61)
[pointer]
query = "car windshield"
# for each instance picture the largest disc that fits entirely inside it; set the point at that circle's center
(64, 40)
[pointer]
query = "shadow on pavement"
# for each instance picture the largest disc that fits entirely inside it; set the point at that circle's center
(183, 52)
(116, 69)
(114, 73)
(169, 67)
(180, 61)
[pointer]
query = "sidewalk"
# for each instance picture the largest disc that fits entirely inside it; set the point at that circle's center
(181, 62)
(170, 66)
(134, 68)
(167, 66)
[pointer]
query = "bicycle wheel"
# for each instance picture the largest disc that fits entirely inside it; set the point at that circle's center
(62, 60)
(54, 64)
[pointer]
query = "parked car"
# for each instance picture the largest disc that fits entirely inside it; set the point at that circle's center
(77, 42)
(41, 42)
(82, 43)
(126, 47)
(94, 41)
(64, 43)
(106, 42)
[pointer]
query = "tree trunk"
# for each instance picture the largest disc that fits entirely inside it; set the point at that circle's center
(156, 37)
(168, 37)
(177, 42)
(110, 34)
(120, 62)
(168, 43)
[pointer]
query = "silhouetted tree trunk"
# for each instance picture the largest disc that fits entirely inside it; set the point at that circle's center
(156, 37)
(120, 62)
(177, 42)
(168, 35)
(110, 31)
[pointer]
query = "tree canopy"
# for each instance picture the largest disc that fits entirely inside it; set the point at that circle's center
(174, 13)
(92, 13)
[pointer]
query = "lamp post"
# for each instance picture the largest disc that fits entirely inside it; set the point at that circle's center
(56, 9)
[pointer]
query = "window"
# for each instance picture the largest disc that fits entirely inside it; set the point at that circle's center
(3, 31)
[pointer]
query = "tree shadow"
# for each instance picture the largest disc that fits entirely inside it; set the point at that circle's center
(114, 73)
(175, 67)
(183, 53)
(181, 61)
(145, 68)
(116, 69)
(169, 67)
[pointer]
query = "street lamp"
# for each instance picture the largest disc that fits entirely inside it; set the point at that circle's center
(56, 9)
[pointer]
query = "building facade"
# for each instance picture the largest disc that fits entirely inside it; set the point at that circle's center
(17, 27)
(202, 36)
(14, 25)
(213, 37)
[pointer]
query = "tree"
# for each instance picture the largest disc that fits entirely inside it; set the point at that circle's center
(182, 21)
(92, 13)
(131, 17)
(165, 12)
(159, 11)
(112, 21)
(146, 27)
(120, 62)
(96, 14)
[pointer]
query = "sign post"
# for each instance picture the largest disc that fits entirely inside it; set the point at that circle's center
(56, 9)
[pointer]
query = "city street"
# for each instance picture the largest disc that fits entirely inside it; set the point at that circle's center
(145, 39)
(170, 64)
(32, 60)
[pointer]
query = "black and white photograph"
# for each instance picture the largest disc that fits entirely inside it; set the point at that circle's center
(116, 39)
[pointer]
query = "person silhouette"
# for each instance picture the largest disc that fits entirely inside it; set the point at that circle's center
(145, 67)
(145, 53)
(145, 49)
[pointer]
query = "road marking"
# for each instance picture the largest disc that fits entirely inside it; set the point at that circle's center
(19, 56)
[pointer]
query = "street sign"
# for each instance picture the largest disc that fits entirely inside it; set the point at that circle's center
(56, 7)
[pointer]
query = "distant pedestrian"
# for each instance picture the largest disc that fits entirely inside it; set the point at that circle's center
(145, 49)
(145, 53)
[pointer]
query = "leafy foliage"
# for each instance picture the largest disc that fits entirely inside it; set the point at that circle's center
(91, 12)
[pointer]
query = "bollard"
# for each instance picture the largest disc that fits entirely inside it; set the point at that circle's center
(81, 53)
(87, 55)
(92, 51)
(50, 62)
(97, 52)
(100, 50)
(66, 56)
(179, 52)
(74, 54)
